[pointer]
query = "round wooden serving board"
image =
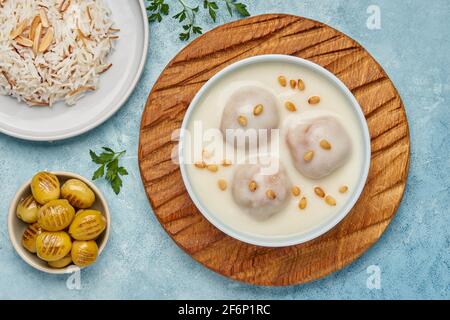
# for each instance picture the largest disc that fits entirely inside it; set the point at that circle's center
(308, 39)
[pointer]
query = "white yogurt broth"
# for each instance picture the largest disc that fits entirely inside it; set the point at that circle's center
(291, 220)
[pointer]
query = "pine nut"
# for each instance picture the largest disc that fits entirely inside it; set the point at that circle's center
(290, 106)
(296, 191)
(319, 191)
(325, 144)
(308, 156)
(303, 203)
(258, 109)
(314, 100)
(282, 81)
(330, 200)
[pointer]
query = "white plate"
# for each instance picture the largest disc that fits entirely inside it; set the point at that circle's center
(116, 85)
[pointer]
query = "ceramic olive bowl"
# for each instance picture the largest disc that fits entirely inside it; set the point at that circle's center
(16, 227)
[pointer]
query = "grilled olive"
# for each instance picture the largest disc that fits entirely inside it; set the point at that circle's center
(78, 193)
(56, 215)
(45, 187)
(84, 253)
(61, 263)
(87, 225)
(27, 209)
(53, 246)
(29, 237)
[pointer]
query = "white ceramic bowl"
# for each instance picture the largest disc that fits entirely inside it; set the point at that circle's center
(16, 227)
(62, 121)
(281, 241)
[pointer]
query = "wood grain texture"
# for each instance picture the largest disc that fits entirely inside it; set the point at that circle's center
(269, 34)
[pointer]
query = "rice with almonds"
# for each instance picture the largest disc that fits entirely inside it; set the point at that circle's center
(52, 50)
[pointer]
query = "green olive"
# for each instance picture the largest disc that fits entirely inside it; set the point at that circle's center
(27, 209)
(56, 215)
(84, 253)
(53, 246)
(29, 237)
(61, 263)
(78, 193)
(45, 187)
(87, 225)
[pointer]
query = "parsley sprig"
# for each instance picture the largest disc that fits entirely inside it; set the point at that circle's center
(187, 15)
(109, 160)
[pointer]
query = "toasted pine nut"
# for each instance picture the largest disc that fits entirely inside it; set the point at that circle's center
(200, 165)
(330, 200)
(308, 156)
(319, 191)
(222, 183)
(226, 163)
(293, 84)
(252, 186)
(290, 106)
(282, 81)
(213, 167)
(343, 189)
(314, 100)
(270, 194)
(242, 121)
(295, 191)
(258, 109)
(325, 144)
(301, 85)
(303, 203)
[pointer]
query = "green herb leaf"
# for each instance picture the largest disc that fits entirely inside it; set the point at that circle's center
(187, 15)
(99, 173)
(109, 160)
(116, 184)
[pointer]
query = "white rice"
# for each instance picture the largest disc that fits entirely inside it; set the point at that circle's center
(74, 61)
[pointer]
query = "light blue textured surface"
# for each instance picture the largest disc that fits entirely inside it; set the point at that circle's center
(142, 262)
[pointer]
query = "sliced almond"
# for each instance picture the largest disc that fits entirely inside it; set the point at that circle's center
(295, 191)
(64, 5)
(343, 189)
(213, 167)
(46, 40)
(18, 30)
(319, 191)
(271, 194)
(282, 81)
(10, 81)
(308, 156)
(222, 183)
(34, 25)
(301, 84)
(24, 42)
(37, 38)
(324, 144)
(102, 69)
(114, 30)
(293, 84)
(314, 100)
(44, 19)
(330, 200)
(303, 203)
(114, 37)
(258, 109)
(80, 89)
(290, 106)
(88, 13)
(35, 103)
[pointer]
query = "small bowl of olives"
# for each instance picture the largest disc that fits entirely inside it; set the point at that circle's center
(59, 220)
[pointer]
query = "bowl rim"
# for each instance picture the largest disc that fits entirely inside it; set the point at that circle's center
(291, 239)
(12, 218)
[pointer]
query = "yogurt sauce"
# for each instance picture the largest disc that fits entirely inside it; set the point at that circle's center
(291, 220)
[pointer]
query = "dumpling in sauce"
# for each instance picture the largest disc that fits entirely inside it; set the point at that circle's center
(318, 145)
(262, 193)
(249, 111)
